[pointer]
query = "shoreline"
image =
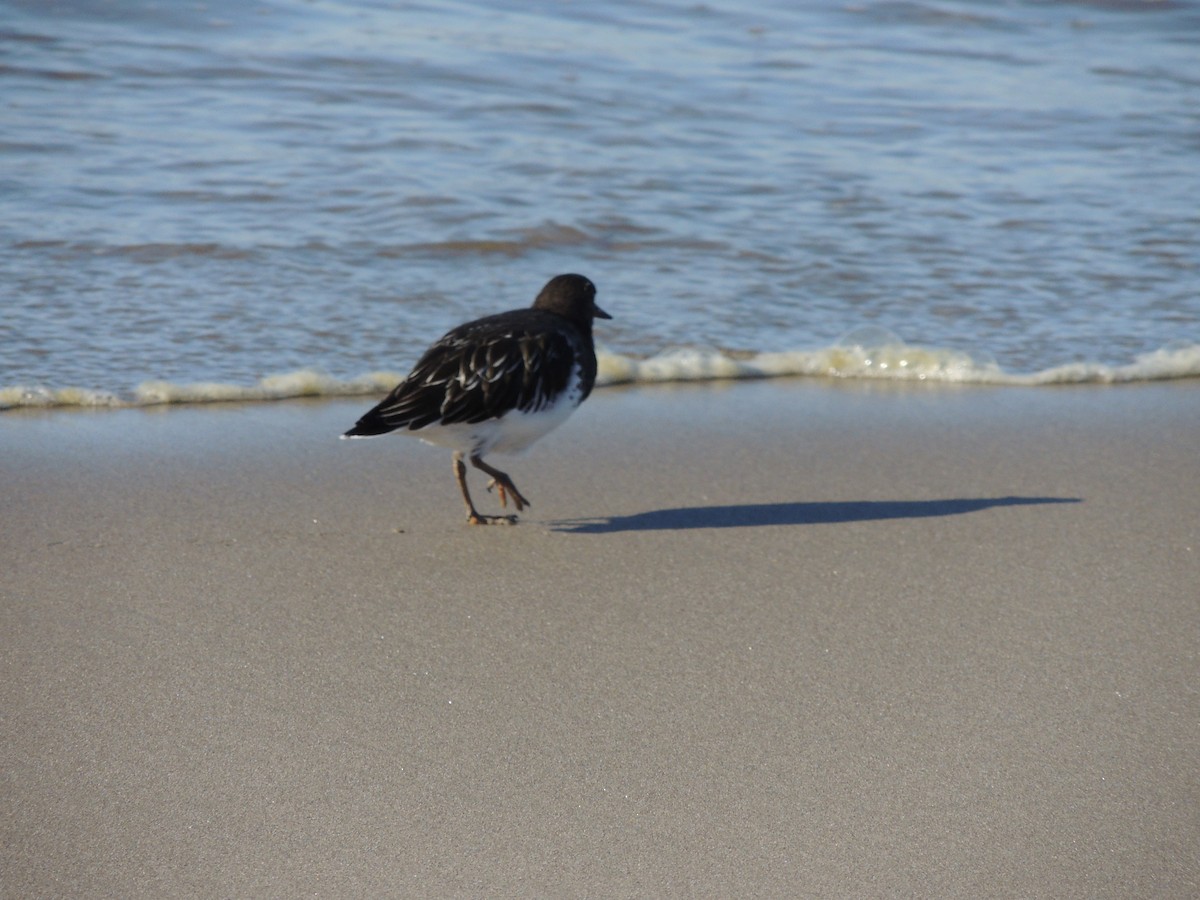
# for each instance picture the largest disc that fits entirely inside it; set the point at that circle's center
(783, 637)
(891, 361)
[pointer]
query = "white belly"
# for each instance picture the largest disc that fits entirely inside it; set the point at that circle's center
(513, 432)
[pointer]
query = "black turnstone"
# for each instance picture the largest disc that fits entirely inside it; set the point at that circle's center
(498, 383)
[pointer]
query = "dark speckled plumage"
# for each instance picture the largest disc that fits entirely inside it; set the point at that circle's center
(519, 360)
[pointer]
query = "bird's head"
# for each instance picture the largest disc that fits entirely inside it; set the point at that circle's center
(571, 296)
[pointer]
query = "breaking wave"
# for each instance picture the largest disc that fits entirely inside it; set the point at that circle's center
(868, 353)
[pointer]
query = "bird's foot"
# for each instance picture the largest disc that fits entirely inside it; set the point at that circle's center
(474, 518)
(504, 486)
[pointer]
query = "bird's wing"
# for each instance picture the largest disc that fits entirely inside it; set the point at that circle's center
(471, 375)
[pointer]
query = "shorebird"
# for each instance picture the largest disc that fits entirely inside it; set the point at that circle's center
(498, 384)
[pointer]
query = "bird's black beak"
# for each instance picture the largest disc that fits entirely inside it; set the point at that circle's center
(598, 313)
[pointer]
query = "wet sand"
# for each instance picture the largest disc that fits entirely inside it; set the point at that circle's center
(784, 638)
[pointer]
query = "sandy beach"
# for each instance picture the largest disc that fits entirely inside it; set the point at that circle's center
(789, 638)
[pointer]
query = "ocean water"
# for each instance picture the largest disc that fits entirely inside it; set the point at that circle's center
(226, 199)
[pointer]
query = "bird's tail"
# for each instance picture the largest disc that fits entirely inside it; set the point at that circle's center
(370, 425)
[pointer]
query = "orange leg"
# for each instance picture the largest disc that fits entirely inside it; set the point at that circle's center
(473, 516)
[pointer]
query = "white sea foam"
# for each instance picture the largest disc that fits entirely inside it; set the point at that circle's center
(875, 353)
(286, 386)
(38, 396)
(863, 354)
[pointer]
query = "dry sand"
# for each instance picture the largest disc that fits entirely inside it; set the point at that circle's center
(759, 639)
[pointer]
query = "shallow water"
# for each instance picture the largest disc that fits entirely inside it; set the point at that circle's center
(199, 196)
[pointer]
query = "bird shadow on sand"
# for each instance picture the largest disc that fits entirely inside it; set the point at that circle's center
(753, 515)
